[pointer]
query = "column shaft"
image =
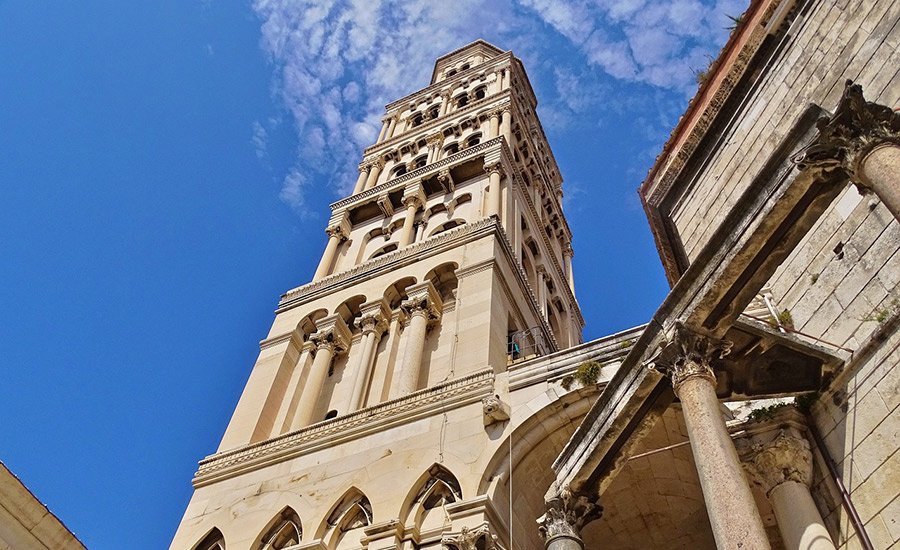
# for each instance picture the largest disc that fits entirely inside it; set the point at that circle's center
(328, 257)
(317, 374)
(408, 377)
(391, 127)
(880, 171)
(363, 370)
(361, 180)
(798, 518)
(494, 129)
(494, 193)
(732, 511)
(506, 126)
(408, 231)
(374, 172)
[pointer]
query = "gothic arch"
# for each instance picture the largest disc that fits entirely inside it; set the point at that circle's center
(212, 541)
(347, 518)
(435, 488)
(283, 531)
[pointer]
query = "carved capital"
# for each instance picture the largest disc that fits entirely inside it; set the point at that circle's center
(493, 167)
(435, 140)
(332, 334)
(689, 354)
(846, 137)
(567, 514)
(423, 299)
(336, 231)
(412, 200)
(374, 317)
(478, 538)
(785, 458)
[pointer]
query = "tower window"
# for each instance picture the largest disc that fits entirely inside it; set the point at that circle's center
(398, 171)
(450, 73)
(331, 414)
(451, 149)
(480, 93)
(417, 119)
(472, 140)
(462, 100)
(420, 162)
(465, 67)
(433, 112)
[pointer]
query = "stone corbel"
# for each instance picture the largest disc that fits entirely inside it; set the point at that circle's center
(494, 409)
(423, 297)
(567, 514)
(384, 204)
(445, 179)
(856, 128)
(339, 225)
(414, 191)
(332, 331)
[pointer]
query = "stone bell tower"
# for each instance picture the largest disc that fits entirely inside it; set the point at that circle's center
(450, 261)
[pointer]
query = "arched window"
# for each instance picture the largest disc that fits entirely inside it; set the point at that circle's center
(450, 73)
(451, 149)
(461, 100)
(480, 92)
(398, 171)
(474, 139)
(465, 67)
(425, 504)
(420, 162)
(416, 119)
(384, 250)
(433, 112)
(282, 532)
(447, 226)
(331, 414)
(212, 541)
(343, 527)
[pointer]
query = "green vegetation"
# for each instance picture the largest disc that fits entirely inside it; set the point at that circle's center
(587, 373)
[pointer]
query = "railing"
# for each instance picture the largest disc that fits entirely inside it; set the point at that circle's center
(525, 344)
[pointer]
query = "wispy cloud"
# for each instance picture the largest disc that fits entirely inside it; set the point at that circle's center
(337, 62)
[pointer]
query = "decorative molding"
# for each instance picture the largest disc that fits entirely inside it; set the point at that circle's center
(846, 137)
(567, 513)
(325, 434)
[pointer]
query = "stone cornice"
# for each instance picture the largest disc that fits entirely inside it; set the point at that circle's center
(480, 43)
(322, 435)
(401, 181)
(437, 243)
(435, 123)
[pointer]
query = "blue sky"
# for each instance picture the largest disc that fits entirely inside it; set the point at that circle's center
(165, 171)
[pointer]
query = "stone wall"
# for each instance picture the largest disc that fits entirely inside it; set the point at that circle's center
(841, 283)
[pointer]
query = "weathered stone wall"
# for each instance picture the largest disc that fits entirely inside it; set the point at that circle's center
(841, 283)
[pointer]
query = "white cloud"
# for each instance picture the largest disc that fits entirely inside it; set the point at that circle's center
(337, 62)
(260, 140)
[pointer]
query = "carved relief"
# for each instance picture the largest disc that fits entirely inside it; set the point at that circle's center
(567, 513)
(785, 458)
(494, 409)
(469, 539)
(844, 139)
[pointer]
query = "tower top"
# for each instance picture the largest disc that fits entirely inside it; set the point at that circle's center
(480, 49)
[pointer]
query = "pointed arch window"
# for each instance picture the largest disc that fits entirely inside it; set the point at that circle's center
(212, 541)
(285, 532)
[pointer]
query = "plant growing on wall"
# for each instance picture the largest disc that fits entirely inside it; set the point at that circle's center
(587, 373)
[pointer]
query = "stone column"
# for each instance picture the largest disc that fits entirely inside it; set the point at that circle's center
(285, 418)
(434, 147)
(383, 132)
(422, 306)
(407, 232)
(494, 193)
(392, 126)
(420, 231)
(372, 321)
(332, 338)
(336, 234)
(445, 103)
(733, 514)
(494, 128)
(361, 180)
(566, 515)
(374, 171)
(568, 254)
(506, 124)
(862, 140)
(783, 469)
(542, 289)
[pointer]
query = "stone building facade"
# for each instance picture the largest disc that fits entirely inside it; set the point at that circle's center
(429, 388)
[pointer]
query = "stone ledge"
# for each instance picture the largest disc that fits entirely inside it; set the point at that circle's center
(403, 410)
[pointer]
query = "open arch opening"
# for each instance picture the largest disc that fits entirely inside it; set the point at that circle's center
(424, 507)
(282, 532)
(212, 541)
(343, 527)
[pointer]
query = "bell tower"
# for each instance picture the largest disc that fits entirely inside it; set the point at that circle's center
(450, 261)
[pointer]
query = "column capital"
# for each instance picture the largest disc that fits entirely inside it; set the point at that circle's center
(847, 136)
(363, 167)
(568, 250)
(435, 139)
(332, 334)
(787, 457)
(374, 316)
(567, 513)
(490, 168)
(412, 200)
(688, 354)
(469, 539)
(423, 299)
(337, 231)
(373, 162)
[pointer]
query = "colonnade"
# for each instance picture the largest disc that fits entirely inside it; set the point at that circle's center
(420, 311)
